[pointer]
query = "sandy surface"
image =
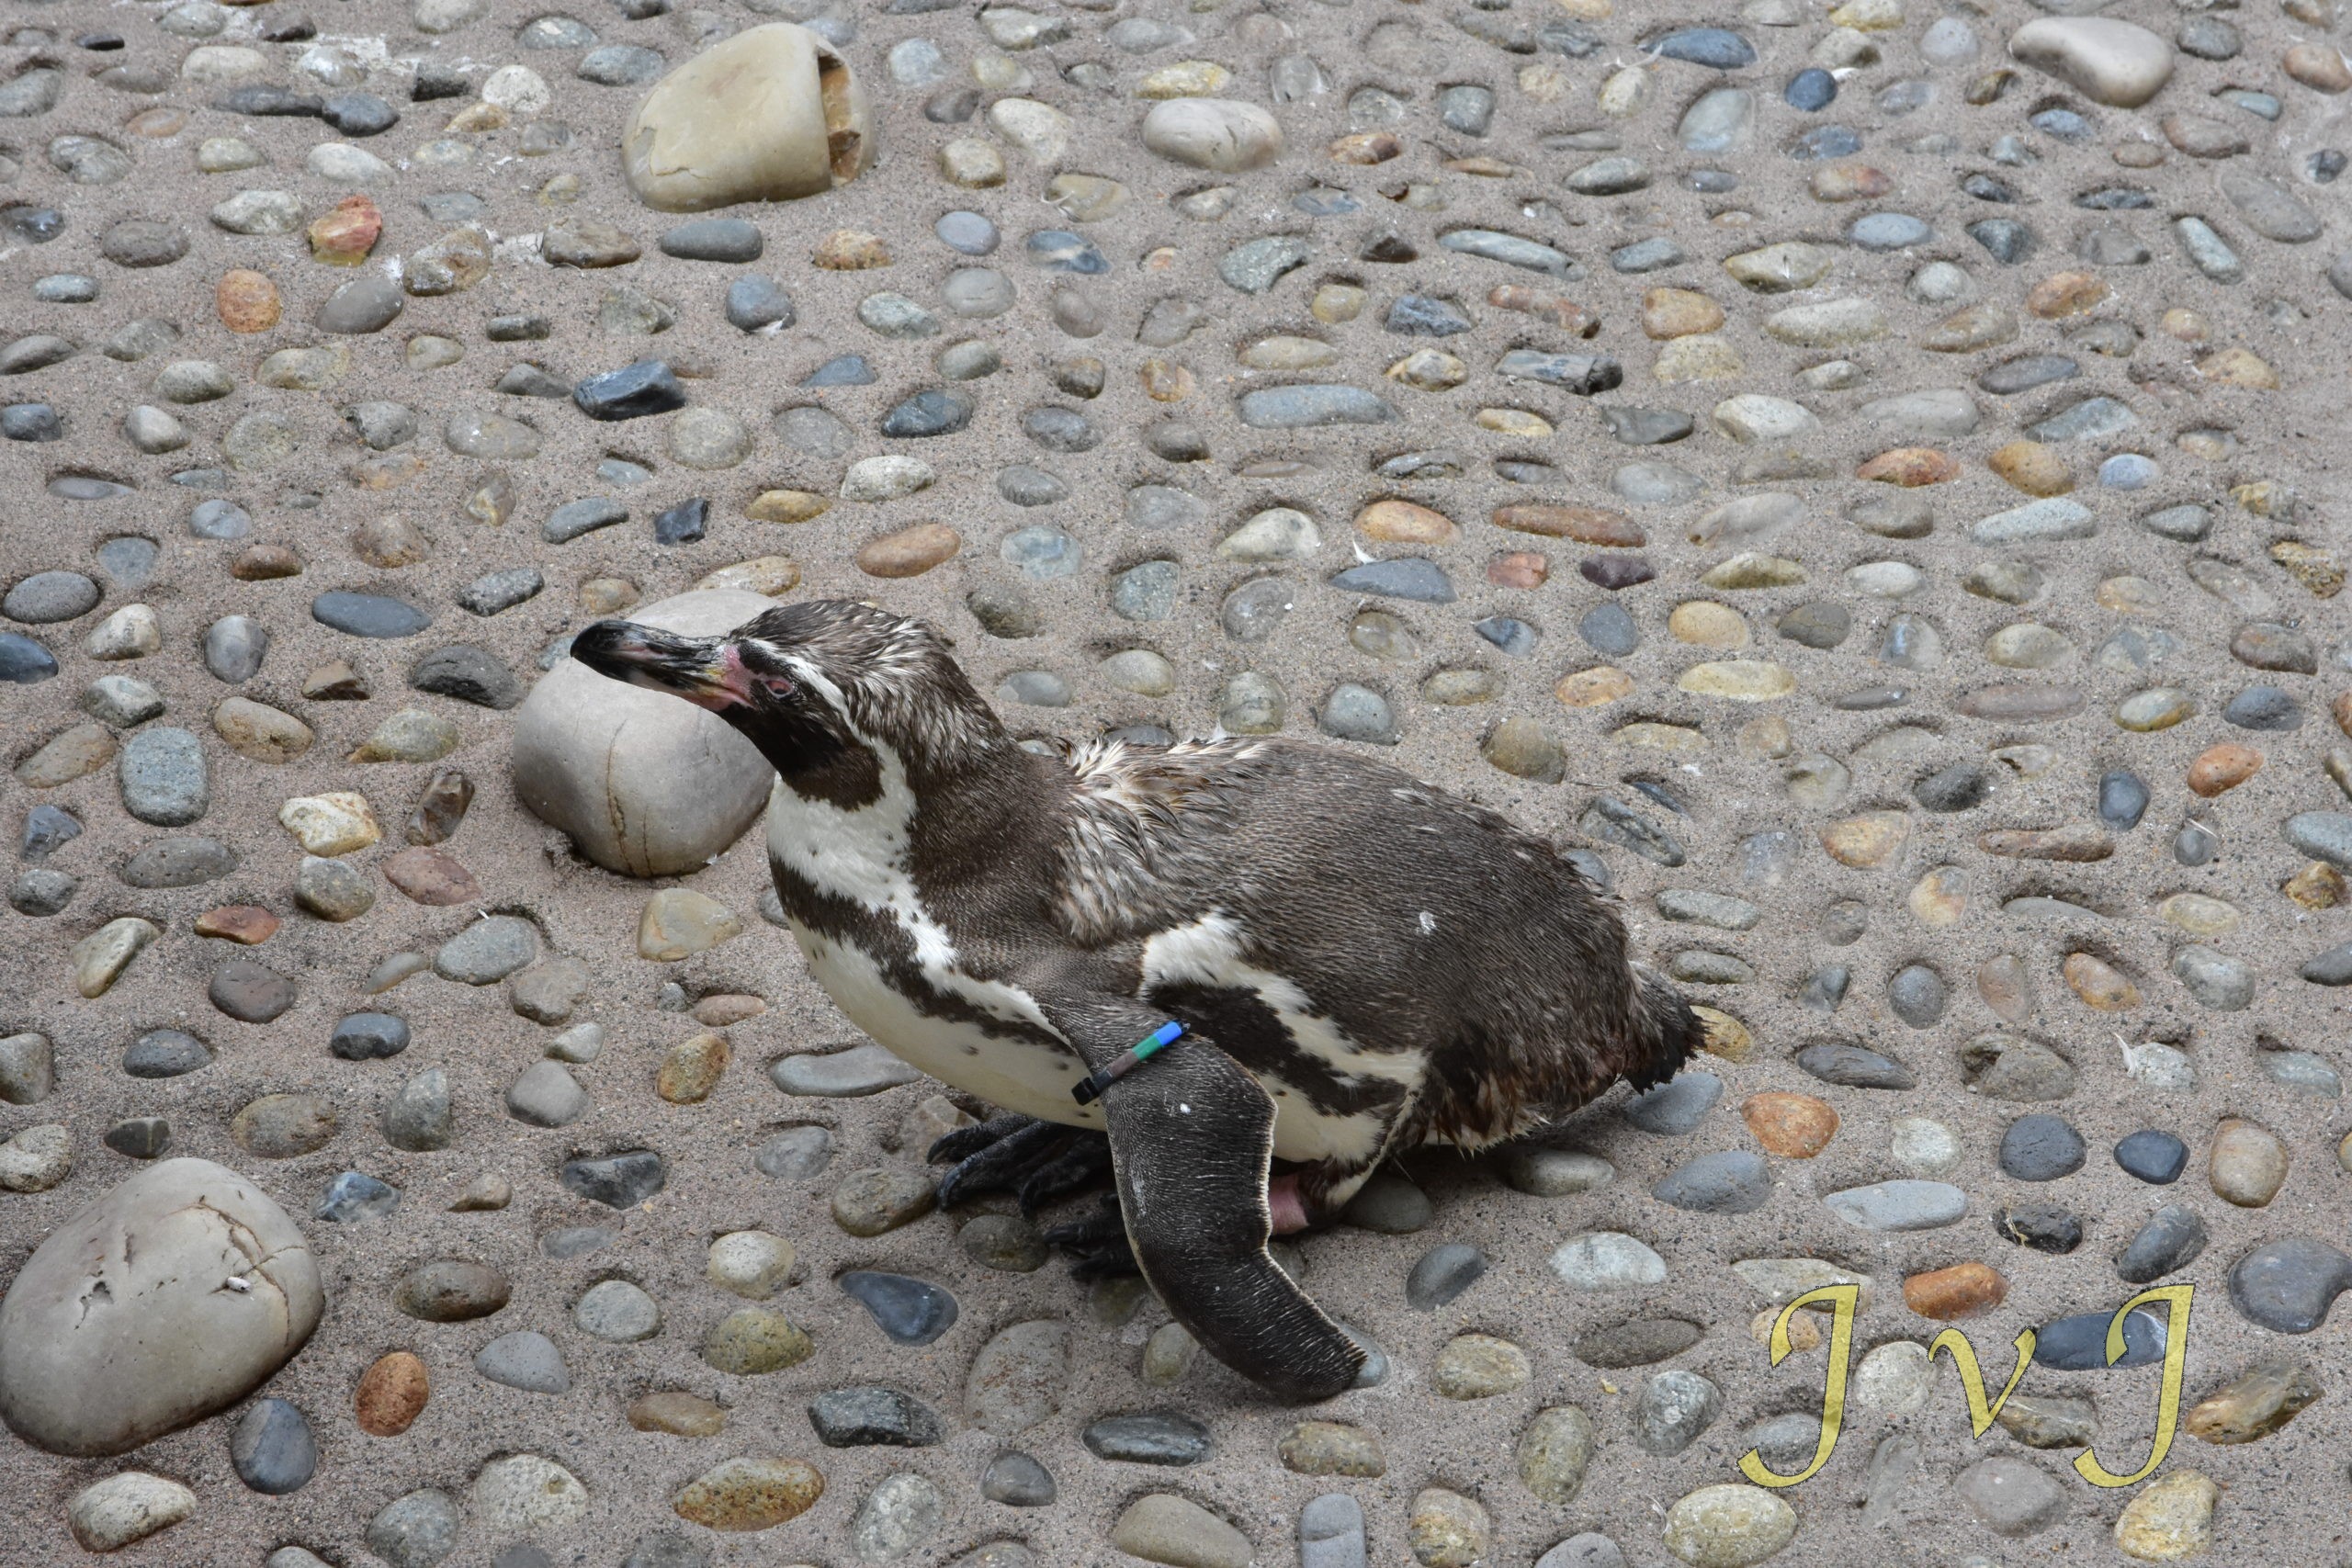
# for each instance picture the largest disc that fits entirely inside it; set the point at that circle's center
(2282, 1502)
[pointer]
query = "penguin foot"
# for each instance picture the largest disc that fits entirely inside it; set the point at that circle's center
(1099, 1243)
(1037, 1161)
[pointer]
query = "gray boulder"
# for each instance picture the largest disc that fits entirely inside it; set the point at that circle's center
(129, 1322)
(646, 785)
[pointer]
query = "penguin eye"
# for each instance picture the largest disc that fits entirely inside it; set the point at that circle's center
(778, 686)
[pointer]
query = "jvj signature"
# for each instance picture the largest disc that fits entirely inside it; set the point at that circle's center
(1951, 1342)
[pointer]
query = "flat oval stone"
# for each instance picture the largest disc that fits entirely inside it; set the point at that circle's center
(1156, 1437)
(1901, 1205)
(2078, 1343)
(369, 615)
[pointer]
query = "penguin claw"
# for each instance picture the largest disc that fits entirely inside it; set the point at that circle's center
(966, 1142)
(1086, 1164)
(1037, 1161)
(1098, 1244)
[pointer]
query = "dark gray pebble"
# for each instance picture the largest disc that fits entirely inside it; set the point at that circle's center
(909, 1310)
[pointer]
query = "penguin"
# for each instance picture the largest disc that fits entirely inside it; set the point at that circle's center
(1359, 963)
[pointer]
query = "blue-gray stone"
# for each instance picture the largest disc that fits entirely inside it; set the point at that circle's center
(1732, 1181)
(1409, 577)
(1903, 1205)
(369, 615)
(1855, 1067)
(360, 114)
(1888, 230)
(235, 646)
(1610, 629)
(1312, 404)
(932, 412)
(1509, 633)
(756, 300)
(1466, 108)
(2008, 241)
(165, 1053)
(2122, 799)
(273, 1448)
(2268, 708)
(1060, 429)
(368, 1037)
(1025, 485)
(843, 370)
(1824, 141)
(683, 524)
(31, 421)
(1646, 256)
(2172, 1238)
(65, 288)
(633, 391)
(2093, 419)
(2040, 1147)
(623, 1181)
(163, 778)
(469, 674)
(2186, 524)
(494, 591)
(1423, 315)
(1917, 995)
(1494, 245)
(526, 1360)
(1676, 1106)
(1811, 90)
(2156, 1157)
(1583, 374)
(967, 233)
(1042, 553)
(873, 1417)
(129, 559)
(2323, 835)
(1354, 712)
(585, 516)
(860, 1070)
(2064, 125)
(2026, 372)
(50, 596)
(1150, 1436)
(47, 828)
(2078, 1343)
(1257, 265)
(1615, 822)
(908, 1311)
(1058, 250)
(354, 1195)
(2288, 1285)
(1441, 1273)
(1018, 1480)
(1718, 47)
(626, 65)
(1145, 591)
(23, 662)
(2332, 968)
(2206, 250)
(1824, 988)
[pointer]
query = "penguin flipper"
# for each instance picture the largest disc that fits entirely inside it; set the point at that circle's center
(1192, 1145)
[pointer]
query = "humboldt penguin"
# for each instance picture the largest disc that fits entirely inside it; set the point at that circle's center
(1360, 962)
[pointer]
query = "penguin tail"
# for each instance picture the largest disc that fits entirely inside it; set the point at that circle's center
(1666, 1032)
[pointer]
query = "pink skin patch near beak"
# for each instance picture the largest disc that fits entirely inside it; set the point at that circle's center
(731, 683)
(1289, 1210)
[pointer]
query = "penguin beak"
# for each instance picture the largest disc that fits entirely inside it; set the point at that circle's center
(706, 671)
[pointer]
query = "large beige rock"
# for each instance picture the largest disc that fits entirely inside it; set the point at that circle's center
(772, 114)
(125, 1325)
(646, 785)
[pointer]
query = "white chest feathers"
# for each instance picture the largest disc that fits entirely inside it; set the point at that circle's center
(859, 857)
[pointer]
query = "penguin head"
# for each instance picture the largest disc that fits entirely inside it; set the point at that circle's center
(803, 681)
